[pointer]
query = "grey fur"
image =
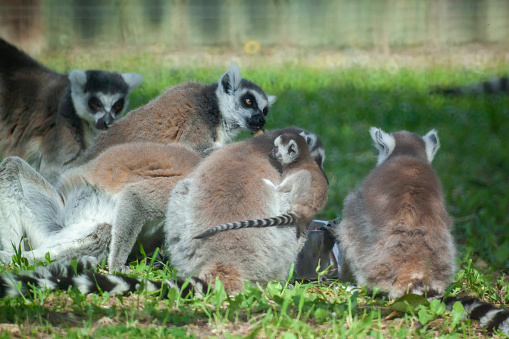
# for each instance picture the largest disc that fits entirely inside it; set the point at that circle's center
(45, 116)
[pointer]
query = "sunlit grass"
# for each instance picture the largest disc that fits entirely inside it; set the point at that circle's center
(339, 104)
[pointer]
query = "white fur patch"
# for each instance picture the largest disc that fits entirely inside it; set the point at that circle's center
(432, 144)
(269, 183)
(10, 289)
(120, 285)
(46, 284)
(488, 317)
(83, 283)
(132, 80)
(504, 326)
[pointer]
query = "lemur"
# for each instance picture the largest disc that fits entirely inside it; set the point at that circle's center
(396, 232)
(48, 118)
(495, 85)
(229, 186)
(126, 177)
(301, 178)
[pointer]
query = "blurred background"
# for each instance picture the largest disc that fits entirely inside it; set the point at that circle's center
(254, 24)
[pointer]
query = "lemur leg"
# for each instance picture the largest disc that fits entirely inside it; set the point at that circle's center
(95, 244)
(29, 205)
(297, 183)
(142, 203)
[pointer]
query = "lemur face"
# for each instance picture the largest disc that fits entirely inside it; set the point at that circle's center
(242, 103)
(99, 97)
(285, 150)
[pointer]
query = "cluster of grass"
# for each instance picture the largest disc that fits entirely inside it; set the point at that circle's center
(339, 105)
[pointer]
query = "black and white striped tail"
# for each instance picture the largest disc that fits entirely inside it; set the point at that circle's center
(61, 276)
(282, 220)
(488, 315)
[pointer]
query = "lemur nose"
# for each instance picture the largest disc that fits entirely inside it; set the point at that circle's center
(258, 120)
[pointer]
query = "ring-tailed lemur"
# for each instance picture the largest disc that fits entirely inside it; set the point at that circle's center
(48, 118)
(494, 85)
(396, 232)
(301, 178)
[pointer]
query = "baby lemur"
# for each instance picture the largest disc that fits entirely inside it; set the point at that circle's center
(301, 178)
(48, 118)
(395, 232)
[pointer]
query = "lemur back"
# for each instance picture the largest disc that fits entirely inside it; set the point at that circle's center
(396, 232)
(302, 178)
(48, 118)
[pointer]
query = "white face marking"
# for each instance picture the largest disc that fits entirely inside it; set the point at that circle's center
(285, 153)
(236, 114)
(80, 101)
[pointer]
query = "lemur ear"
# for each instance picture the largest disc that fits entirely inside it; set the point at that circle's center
(230, 81)
(292, 147)
(432, 144)
(271, 99)
(383, 142)
(78, 78)
(132, 80)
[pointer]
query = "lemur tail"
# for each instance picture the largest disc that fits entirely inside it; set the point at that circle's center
(489, 316)
(60, 276)
(287, 219)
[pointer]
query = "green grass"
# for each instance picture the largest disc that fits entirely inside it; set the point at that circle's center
(339, 104)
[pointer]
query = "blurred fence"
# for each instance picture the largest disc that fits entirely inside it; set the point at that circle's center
(295, 23)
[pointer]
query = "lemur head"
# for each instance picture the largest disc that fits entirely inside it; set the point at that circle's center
(242, 103)
(288, 147)
(404, 143)
(99, 97)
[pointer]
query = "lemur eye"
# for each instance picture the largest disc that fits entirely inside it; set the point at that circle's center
(117, 107)
(248, 101)
(94, 103)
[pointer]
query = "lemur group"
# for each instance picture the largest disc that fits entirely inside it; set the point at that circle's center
(80, 182)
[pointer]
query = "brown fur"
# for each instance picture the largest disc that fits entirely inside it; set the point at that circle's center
(168, 118)
(305, 181)
(139, 162)
(395, 231)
